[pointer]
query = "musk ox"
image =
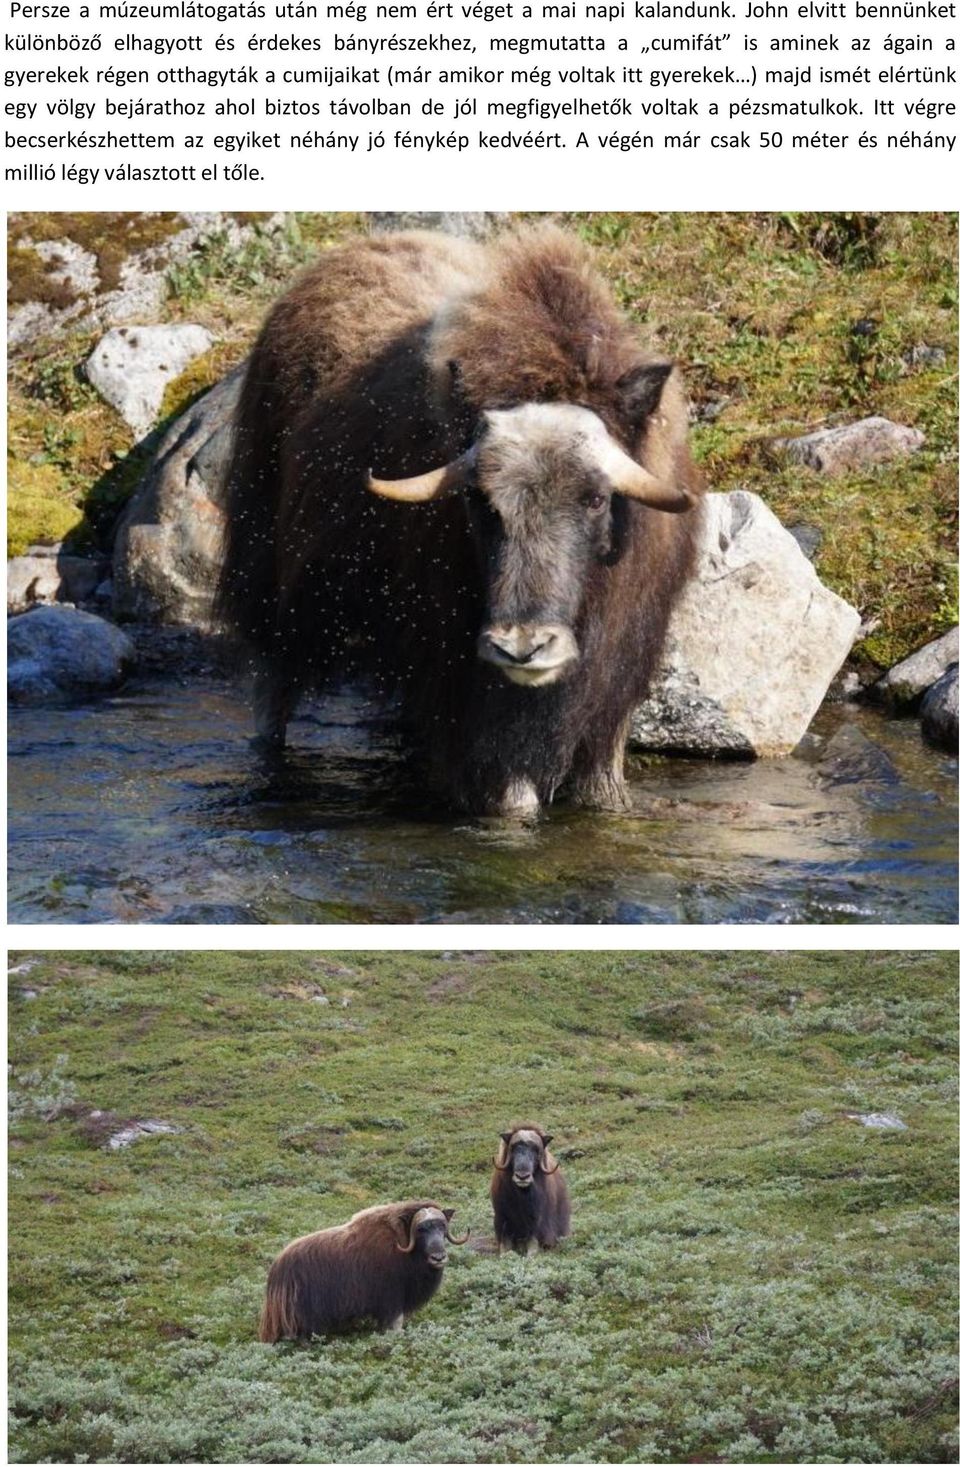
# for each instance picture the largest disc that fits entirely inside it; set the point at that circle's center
(531, 1204)
(458, 476)
(380, 1266)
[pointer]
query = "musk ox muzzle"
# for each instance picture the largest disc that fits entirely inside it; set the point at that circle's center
(532, 656)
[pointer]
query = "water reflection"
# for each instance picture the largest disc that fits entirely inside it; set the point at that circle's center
(151, 807)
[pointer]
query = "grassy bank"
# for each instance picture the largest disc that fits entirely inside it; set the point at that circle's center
(753, 1276)
(782, 323)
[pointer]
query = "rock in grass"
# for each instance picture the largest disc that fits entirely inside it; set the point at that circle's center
(131, 366)
(938, 711)
(753, 645)
(877, 1120)
(907, 682)
(57, 654)
(168, 544)
(851, 447)
(468, 224)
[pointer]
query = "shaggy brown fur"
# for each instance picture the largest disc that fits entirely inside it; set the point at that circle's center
(538, 1213)
(385, 355)
(354, 1273)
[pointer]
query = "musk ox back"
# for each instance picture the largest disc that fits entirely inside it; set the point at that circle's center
(458, 476)
(531, 1204)
(380, 1266)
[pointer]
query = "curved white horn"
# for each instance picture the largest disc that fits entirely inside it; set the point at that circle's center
(630, 478)
(424, 488)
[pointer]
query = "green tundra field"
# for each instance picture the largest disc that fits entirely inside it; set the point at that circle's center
(754, 1274)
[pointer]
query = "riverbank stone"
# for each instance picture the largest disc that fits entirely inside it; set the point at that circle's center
(46, 574)
(754, 642)
(938, 711)
(905, 684)
(57, 654)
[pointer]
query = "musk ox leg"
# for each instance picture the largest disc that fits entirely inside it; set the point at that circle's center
(598, 781)
(394, 1325)
(518, 801)
(274, 699)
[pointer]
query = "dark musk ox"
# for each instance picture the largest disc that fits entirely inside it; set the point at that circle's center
(531, 1205)
(380, 1266)
(458, 477)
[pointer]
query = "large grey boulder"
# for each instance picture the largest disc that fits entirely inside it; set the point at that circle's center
(131, 366)
(907, 682)
(753, 645)
(57, 654)
(851, 447)
(938, 711)
(169, 541)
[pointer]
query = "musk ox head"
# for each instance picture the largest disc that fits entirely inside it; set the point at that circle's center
(428, 1235)
(544, 484)
(523, 1153)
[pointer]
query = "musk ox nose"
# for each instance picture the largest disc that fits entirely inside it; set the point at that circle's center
(436, 1259)
(531, 655)
(522, 1179)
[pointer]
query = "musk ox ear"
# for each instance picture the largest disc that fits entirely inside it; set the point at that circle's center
(448, 1212)
(546, 1141)
(506, 1137)
(641, 388)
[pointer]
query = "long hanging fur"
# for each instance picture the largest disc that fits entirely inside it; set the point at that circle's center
(322, 580)
(539, 1213)
(346, 1275)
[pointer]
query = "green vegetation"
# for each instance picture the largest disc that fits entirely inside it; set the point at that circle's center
(795, 322)
(753, 1276)
(783, 323)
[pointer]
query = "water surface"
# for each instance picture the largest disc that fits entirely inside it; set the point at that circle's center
(151, 807)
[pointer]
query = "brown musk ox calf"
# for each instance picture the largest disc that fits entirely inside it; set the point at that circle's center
(459, 477)
(531, 1205)
(380, 1266)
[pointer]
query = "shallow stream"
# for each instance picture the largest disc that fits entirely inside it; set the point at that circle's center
(151, 807)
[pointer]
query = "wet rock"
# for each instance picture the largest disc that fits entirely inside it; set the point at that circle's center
(469, 224)
(753, 645)
(847, 686)
(855, 446)
(938, 711)
(57, 653)
(168, 544)
(45, 575)
(131, 366)
(849, 757)
(906, 683)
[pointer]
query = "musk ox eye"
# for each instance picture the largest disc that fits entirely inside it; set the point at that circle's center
(594, 500)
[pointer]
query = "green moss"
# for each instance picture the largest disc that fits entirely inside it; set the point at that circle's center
(753, 1276)
(111, 237)
(202, 374)
(29, 278)
(39, 509)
